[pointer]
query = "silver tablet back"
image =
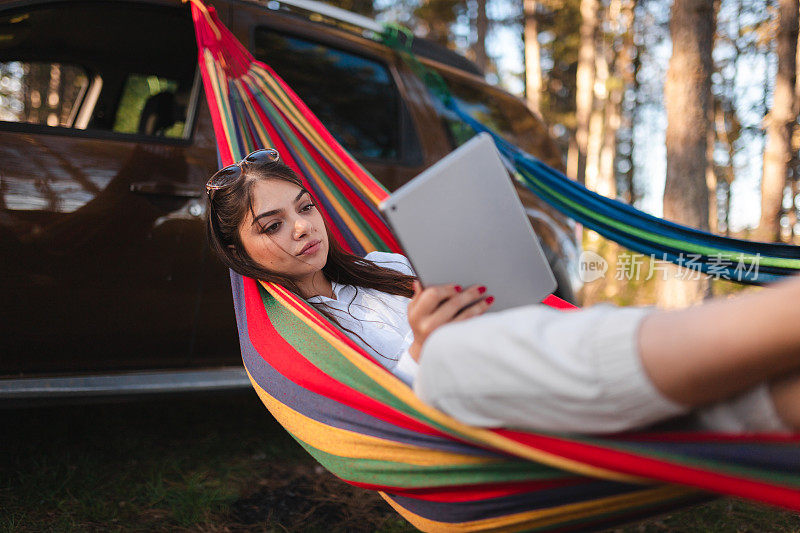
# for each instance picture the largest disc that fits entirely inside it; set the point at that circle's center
(460, 221)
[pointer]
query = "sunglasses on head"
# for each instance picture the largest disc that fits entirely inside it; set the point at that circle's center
(230, 174)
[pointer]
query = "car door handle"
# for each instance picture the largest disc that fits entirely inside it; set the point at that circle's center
(158, 188)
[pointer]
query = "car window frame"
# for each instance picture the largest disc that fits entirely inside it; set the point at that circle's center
(43, 129)
(410, 150)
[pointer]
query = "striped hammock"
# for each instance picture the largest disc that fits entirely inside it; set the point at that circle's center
(369, 429)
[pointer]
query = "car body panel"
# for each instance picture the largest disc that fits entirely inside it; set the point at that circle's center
(106, 268)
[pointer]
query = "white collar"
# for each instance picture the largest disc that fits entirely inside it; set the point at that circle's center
(338, 290)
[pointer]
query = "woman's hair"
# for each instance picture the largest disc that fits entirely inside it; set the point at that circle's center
(227, 207)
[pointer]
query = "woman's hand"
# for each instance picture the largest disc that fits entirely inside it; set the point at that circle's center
(438, 305)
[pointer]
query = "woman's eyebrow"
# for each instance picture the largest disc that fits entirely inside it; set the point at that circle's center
(276, 211)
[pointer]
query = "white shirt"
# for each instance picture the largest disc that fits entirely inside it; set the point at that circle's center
(378, 322)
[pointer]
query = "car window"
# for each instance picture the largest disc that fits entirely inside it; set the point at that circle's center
(41, 93)
(112, 67)
(480, 105)
(353, 96)
(500, 112)
(147, 107)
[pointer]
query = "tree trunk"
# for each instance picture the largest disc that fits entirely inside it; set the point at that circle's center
(533, 68)
(631, 117)
(795, 163)
(482, 26)
(594, 142)
(711, 176)
(687, 94)
(576, 163)
(778, 149)
(729, 176)
(618, 82)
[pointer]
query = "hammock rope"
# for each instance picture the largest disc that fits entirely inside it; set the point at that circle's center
(733, 259)
(368, 428)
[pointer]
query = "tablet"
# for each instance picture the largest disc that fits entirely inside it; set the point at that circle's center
(461, 222)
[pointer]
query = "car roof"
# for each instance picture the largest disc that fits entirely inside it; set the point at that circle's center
(334, 16)
(319, 13)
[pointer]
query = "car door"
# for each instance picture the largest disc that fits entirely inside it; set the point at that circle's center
(104, 150)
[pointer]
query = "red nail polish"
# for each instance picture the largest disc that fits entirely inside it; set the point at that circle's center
(481, 289)
(458, 288)
(489, 300)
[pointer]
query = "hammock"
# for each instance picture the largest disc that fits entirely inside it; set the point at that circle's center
(369, 429)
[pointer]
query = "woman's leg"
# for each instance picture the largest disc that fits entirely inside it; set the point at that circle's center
(785, 395)
(714, 351)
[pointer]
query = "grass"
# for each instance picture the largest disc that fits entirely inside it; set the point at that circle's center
(214, 464)
(156, 465)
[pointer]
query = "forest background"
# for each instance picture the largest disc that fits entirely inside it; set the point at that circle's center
(685, 109)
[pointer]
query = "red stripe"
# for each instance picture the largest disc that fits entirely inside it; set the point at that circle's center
(202, 35)
(282, 356)
(470, 493)
(326, 136)
(629, 463)
(557, 303)
(353, 196)
(345, 187)
(288, 157)
(236, 57)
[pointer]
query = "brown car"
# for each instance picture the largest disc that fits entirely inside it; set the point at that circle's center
(107, 283)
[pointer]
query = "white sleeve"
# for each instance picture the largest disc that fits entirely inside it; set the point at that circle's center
(406, 368)
(397, 262)
(537, 368)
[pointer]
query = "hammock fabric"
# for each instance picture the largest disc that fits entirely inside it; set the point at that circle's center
(733, 259)
(369, 429)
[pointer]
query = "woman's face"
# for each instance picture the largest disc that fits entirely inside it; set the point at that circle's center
(287, 235)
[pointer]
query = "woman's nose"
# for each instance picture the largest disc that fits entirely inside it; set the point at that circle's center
(301, 228)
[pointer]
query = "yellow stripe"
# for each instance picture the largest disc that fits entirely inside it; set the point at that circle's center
(403, 393)
(241, 125)
(549, 517)
(261, 131)
(211, 71)
(204, 10)
(290, 110)
(345, 443)
(348, 220)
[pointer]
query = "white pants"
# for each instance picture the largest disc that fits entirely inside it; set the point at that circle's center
(537, 368)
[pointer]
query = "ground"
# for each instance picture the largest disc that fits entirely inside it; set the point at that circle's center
(214, 463)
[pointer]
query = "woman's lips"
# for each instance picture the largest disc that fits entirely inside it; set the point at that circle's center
(311, 248)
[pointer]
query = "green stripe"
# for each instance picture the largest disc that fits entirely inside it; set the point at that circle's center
(404, 475)
(666, 241)
(351, 210)
(226, 112)
(277, 120)
(334, 364)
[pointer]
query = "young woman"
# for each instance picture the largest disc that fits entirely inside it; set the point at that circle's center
(596, 370)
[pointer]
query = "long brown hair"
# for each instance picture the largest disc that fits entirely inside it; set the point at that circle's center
(227, 207)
